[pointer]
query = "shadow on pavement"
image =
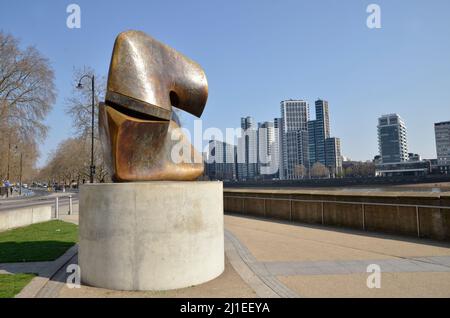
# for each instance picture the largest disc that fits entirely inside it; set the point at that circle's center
(32, 251)
(331, 228)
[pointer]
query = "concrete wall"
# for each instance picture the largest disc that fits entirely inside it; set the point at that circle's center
(333, 208)
(10, 219)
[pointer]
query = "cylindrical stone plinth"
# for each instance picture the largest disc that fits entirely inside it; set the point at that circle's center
(151, 235)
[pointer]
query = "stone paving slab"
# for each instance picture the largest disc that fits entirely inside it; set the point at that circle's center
(270, 281)
(227, 285)
(234, 255)
(393, 285)
(270, 240)
(354, 267)
(317, 262)
(442, 260)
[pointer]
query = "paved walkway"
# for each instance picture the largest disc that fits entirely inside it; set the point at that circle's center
(266, 258)
(314, 261)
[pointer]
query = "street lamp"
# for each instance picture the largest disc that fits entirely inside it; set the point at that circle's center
(20, 173)
(7, 173)
(80, 85)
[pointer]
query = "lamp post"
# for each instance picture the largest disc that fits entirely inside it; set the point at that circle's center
(20, 172)
(9, 155)
(7, 173)
(20, 175)
(80, 85)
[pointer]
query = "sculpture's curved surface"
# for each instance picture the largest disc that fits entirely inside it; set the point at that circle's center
(151, 73)
(137, 125)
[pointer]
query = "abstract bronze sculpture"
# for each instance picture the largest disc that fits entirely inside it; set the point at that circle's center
(150, 235)
(138, 127)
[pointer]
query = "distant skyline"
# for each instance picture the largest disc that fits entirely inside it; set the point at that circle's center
(258, 52)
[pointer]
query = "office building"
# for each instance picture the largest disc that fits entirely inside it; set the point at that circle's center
(403, 168)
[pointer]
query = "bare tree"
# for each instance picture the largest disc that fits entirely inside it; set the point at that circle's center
(27, 93)
(318, 170)
(28, 150)
(300, 171)
(360, 169)
(79, 105)
(68, 163)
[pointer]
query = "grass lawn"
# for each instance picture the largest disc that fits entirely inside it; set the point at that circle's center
(12, 284)
(37, 242)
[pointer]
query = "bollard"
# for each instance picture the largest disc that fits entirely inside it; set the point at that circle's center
(56, 208)
(70, 205)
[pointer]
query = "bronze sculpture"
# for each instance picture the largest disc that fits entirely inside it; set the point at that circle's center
(138, 128)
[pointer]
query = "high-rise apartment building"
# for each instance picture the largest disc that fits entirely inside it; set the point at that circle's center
(278, 145)
(294, 124)
(247, 150)
(294, 115)
(333, 158)
(296, 153)
(220, 160)
(267, 150)
(319, 130)
(392, 142)
(442, 134)
(312, 142)
(322, 148)
(247, 123)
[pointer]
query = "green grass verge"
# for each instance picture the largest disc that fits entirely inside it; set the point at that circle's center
(37, 242)
(12, 284)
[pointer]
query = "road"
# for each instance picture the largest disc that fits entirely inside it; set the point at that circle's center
(41, 198)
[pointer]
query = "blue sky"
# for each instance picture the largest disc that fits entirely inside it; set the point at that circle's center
(257, 53)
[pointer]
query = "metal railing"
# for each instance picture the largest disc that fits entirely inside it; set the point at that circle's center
(363, 205)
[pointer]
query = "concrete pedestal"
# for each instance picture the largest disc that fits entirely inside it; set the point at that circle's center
(151, 235)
